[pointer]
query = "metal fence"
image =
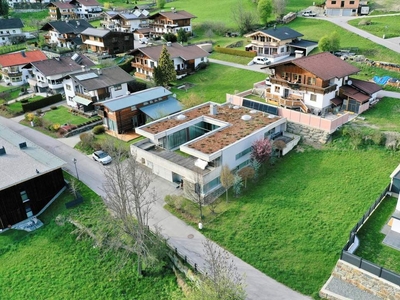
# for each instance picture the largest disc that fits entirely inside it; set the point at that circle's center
(185, 258)
(359, 261)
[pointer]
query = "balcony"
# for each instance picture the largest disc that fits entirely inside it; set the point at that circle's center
(85, 96)
(143, 67)
(265, 44)
(291, 101)
(302, 87)
(10, 73)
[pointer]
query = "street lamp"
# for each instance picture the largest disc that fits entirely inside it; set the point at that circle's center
(76, 169)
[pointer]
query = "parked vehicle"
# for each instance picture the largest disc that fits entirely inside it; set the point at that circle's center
(309, 13)
(102, 157)
(143, 40)
(261, 60)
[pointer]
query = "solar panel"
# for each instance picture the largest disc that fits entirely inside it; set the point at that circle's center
(86, 76)
(260, 106)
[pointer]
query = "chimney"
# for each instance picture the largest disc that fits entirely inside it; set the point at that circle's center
(168, 44)
(78, 23)
(22, 145)
(23, 53)
(83, 68)
(99, 71)
(213, 109)
(2, 150)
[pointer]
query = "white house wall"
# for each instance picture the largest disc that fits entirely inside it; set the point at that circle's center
(122, 92)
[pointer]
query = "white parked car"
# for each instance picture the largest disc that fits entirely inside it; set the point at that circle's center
(309, 13)
(261, 60)
(102, 157)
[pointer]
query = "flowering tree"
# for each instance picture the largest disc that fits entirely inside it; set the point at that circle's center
(261, 151)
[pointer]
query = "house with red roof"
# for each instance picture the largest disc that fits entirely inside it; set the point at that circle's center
(185, 58)
(319, 84)
(11, 66)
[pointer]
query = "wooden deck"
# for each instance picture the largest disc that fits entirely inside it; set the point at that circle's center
(126, 137)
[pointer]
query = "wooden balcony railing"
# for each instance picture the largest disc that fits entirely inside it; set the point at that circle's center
(143, 67)
(302, 87)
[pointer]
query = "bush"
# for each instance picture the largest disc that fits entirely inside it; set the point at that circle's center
(98, 129)
(37, 121)
(235, 52)
(170, 37)
(38, 112)
(218, 28)
(29, 117)
(201, 66)
(86, 139)
(55, 127)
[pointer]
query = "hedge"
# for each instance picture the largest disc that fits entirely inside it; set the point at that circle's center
(231, 51)
(127, 65)
(27, 107)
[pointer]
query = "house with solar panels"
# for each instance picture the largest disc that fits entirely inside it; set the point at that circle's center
(123, 114)
(30, 178)
(82, 90)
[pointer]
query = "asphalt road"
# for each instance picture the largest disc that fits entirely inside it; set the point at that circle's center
(185, 238)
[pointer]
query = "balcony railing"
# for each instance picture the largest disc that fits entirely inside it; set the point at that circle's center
(302, 87)
(143, 67)
(10, 73)
(85, 96)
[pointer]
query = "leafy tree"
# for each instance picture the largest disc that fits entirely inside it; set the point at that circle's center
(182, 36)
(227, 179)
(170, 37)
(264, 9)
(243, 18)
(278, 7)
(223, 281)
(261, 150)
(237, 185)
(329, 42)
(161, 4)
(4, 8)
(246, 173)
(164, 73)
(256, 167)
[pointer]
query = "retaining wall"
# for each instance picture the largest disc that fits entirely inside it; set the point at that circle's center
(309, 134)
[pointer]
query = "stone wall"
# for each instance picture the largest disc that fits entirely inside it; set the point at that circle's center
(308, 134)
(362, 280)
(83, 128)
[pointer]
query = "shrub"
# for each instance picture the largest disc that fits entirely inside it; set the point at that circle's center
(86, 139)
(378, 138)
(55, 127)
(37, 121)
(235, 52)
(98, 129)
(201, 66)
(29, 116)
(38, 112)
(53, 107)
(216, 27)
(170, 37)
(24, 101)
(62, 131)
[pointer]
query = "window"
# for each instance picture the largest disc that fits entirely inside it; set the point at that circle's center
(333, 2)
(313, 97)
(285, 75)
(68, 87)
(24, 196)
(277, 89)
(310, 80)
(211, 185)
(133, 107)
(351, 2)
(126, 38)
(282, 49)
(13, 31)
(243, 153)
(117, 87)
(297, 78)
(269, 132)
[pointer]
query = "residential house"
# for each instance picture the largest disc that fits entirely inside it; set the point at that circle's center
(140, 34)
(171, 22)
(48, 75)
(210, 136)
(9, 30)
(65, 34)
(107, 22)
(125, 113)
(128, 22)
(279, 42)
(84, 89)
(185, 58)
(30, 177)
(61, 10)
(341, 7)
(85, 9)
(109, 42)
(319, 84)
(12, 65)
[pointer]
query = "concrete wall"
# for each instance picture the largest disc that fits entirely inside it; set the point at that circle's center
(309, 134)
(363, 280)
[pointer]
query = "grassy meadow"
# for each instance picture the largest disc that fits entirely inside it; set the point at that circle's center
(52, 263)
(380, 26)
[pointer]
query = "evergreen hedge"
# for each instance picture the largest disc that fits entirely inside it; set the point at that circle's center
(26, 107)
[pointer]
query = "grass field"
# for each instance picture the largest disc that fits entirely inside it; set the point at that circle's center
(379, 26)
(293, 224)
(213, 83)
(16, 107)
(50, 263)
(61, 115)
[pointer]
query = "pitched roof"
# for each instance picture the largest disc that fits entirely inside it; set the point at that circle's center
(87, 2)
(280, 33)
(61, 4)
(366, 86)
(175, 50)
(174, 15)
(354, 94)
(92, 80)
(325, 66)
(62, 65)
(96, 32)
(136, 98)
(136, 15)
(11, 23)
(21, 58)
(68, 26)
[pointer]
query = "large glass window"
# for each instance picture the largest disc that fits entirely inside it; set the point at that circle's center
(211, 185)
(243, 153)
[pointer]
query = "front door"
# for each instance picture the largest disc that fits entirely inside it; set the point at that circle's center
(285, 93)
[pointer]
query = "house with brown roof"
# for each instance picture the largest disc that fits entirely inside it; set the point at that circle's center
(102, 41)
(84, 89)
(48, 75)
(319, 84)
(211, 136)
(170, 22)
(61, 10)
(341, 7)
(125, 113)
(12, 64)
(185, 58)
(87, 8)
(279, 42)
(130, 21)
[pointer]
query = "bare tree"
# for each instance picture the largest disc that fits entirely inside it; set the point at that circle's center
(244, 19)
(246, 173)
(278, 7)
(223, 280)
(129, 197)
(227, 179)
(193, 192)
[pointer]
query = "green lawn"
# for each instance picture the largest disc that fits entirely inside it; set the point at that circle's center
(51, 263)
(379, 26)
(61, 115)
(231, 58)
(371, 247)
(213, 83)
(385, 115)
(27, 18)
(293, 224)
